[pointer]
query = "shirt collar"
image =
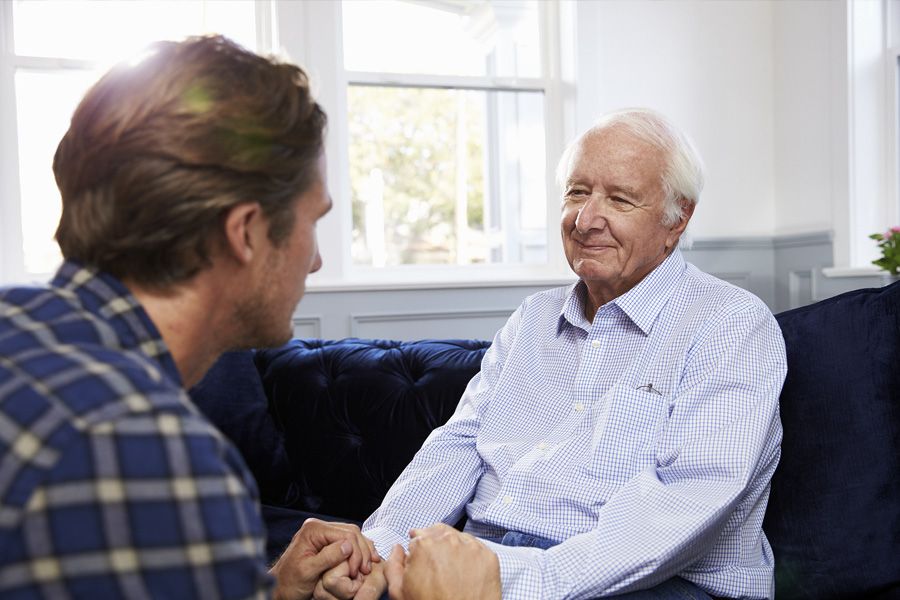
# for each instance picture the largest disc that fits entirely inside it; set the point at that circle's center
(641, 304)
(105, 296)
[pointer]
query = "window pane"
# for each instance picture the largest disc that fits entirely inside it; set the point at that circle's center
(45, 101)
(447, 176)
(479, 37)
(109, 31)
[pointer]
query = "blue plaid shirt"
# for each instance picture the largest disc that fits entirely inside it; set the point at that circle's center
(642, 445)
(112, 484)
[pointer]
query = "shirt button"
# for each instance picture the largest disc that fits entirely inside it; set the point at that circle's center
(542, 446)
(579, 407)
(595, 343)
(507, 499)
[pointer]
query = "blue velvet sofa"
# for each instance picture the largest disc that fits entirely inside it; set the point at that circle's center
(326, 426)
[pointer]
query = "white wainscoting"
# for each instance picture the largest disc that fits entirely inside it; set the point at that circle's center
(443, 325)
(784, 271)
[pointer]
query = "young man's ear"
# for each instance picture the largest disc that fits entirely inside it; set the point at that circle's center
(244, 223)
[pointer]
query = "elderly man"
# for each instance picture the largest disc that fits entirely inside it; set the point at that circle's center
(191, 186)
(622, 432)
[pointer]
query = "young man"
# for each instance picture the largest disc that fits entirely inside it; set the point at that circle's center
(191, 186)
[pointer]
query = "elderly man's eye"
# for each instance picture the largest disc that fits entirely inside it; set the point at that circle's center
(574, 195)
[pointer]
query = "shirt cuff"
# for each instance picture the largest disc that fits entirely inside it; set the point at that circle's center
(524, 573)
(385, 539)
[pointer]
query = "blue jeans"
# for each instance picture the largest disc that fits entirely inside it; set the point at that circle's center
(672, 589)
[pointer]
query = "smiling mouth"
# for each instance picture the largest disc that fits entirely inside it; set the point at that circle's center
(593, 247)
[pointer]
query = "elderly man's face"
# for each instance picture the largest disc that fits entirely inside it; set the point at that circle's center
(612, 213)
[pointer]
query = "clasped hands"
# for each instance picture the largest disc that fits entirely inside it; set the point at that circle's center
(442, 563)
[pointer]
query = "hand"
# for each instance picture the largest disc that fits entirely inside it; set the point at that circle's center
(443, 564)
(315, 548)
(336, 584)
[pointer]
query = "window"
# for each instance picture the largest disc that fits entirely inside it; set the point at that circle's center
(45, 68)
(445, 119)
(445, 122)
(445, 135)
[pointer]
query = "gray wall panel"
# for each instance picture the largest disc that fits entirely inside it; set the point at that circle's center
(784, 271)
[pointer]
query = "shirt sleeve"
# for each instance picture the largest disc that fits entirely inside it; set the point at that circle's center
(718, 451)
(148, 505)
(441, 479)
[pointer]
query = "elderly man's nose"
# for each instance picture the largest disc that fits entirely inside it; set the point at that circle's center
(590, 216)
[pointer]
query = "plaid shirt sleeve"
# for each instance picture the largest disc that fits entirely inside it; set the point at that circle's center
(149, 504)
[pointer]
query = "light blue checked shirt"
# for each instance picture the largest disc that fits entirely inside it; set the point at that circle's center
(642, 444)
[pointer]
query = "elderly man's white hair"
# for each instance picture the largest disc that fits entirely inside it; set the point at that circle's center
(682, 179)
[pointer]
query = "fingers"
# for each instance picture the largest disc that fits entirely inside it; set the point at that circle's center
(320, 593)
(321, 533)
(328, 557)
(336, 584)
(372, 551)
(393, 572)
(373, 586)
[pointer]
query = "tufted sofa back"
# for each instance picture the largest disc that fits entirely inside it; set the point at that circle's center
(327, 426)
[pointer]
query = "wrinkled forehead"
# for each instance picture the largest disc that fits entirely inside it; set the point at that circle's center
(615, 150)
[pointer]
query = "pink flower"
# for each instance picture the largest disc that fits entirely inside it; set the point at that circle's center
(894, 229)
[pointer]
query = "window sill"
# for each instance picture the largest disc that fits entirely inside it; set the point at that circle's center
(845, 272)
(403, 284)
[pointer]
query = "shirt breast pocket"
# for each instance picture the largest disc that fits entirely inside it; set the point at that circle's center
(626, 437)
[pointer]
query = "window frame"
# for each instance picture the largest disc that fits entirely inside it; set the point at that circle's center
(319, 49)
(12, 255)
(310, 34)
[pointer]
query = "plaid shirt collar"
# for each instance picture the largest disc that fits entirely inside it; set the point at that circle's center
(641, 304)
(104, 295)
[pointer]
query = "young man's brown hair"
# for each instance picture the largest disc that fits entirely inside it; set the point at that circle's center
(158, 151)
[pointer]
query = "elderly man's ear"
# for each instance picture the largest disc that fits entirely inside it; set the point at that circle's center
(687, 211)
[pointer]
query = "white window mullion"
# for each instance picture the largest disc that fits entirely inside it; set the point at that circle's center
(559, 101)
(11, 253)
(310, 34)
(266, 28)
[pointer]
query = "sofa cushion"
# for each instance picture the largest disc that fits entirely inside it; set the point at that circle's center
(231, 396)
(343, 405)
(834, 513)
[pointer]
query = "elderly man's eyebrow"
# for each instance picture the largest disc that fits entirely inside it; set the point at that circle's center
(624, 189)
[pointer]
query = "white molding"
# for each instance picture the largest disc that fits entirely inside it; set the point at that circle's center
(733, 243)
(795, 240)
(800, 290)
(453, 82)
(37, 63)
(359, 319)
(373, 286)
(314, 321)
(842, 272)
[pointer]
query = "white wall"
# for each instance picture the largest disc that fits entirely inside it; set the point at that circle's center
(709, 67)
(806, 106)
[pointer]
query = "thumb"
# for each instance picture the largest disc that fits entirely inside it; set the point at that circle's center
(328, 557)
(393, 572)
